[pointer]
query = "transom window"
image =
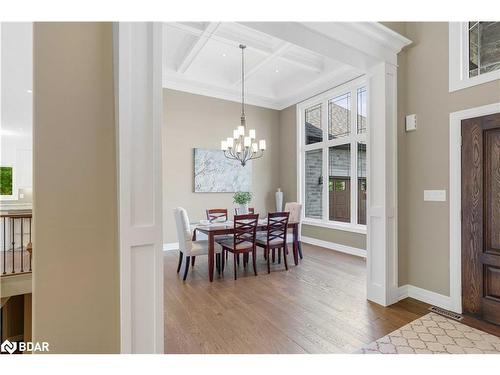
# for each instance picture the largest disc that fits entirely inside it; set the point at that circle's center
(474, 53)
(332, 152)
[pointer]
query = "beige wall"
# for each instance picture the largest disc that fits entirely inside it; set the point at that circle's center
(195, 121)
(76, 264)
(288, 181)
(423, 156)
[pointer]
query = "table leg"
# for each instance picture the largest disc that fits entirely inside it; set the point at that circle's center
(296, 244)
(211, 245)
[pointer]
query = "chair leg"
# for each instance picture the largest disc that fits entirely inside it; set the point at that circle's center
(217, 263)
(245, 260)
(300, 250)
(285, 250)
(223, 263)
(235, 268)
(192, 261)
(237, 258)
(268, 261)
(254, 262)
(187, 268)
(180, 261)
(226, 253)
(274, 255)
(279, 255)
(265, 253)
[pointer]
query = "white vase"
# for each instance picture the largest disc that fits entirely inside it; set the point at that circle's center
(279, 200)
(242, 209)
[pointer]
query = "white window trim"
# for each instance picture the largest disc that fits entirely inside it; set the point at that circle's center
(459, 60)
(15, 189)
(351, 86)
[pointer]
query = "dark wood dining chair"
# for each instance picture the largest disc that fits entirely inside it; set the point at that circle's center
(243, 241)
(216, 214)
(275, 238)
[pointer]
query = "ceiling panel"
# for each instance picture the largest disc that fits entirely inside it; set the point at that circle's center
(204, 58)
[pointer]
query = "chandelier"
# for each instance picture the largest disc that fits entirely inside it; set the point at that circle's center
(240, 146)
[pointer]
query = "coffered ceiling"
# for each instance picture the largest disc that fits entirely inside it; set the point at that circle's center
(204, 58)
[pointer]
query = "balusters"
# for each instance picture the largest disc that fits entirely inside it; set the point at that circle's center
(17, 227)
(30, 245)
(4, 245)
(22, 246)
(13, 224)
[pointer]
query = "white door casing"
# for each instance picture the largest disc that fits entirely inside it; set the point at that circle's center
(138, 100)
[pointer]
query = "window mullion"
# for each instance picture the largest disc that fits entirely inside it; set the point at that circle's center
(326, 174)
(354, 157)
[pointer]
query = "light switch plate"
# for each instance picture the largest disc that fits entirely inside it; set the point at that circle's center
(435, 195)
(411, 123)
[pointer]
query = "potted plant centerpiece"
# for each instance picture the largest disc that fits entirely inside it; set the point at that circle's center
(242, 199)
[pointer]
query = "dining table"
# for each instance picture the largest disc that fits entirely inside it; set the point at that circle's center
(215, 229)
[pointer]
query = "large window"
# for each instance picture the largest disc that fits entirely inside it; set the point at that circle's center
(332, 152)
(474, 53)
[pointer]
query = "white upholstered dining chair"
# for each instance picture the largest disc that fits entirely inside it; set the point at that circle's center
(295, 210)
(188, 247)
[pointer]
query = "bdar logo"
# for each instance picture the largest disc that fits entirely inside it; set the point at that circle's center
(8, 347)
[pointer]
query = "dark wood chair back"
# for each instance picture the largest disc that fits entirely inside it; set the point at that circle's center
(216, 213)
(251, 210)
(245, 228)
(277, 226)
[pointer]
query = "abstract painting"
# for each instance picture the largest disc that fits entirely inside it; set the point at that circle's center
(214, 173)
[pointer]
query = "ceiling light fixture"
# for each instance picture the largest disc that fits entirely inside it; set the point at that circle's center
(240, 146)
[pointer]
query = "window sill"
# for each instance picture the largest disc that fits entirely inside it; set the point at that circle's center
(460, 84)
(335, 225)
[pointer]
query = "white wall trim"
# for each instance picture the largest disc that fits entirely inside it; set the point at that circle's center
(459, 60)
(171, 246)
(424, 295)
(456, 198)
(335, 246)
(347, 227)
(137, 55)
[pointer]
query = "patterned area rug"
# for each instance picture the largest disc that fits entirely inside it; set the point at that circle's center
(434, 334)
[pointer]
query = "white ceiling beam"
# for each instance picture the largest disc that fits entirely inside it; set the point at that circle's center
(282, 48)
(298, 34)
(359, 45)
(197, 47)
(314, 64)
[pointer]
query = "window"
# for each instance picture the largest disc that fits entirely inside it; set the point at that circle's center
(484, 47)
(332, 143)
(474, 55)
(6, 181)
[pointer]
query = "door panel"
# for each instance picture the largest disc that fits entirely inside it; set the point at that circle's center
(481, 217)
(492, 190)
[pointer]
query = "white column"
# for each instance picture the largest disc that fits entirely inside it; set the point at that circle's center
(138, 93)
(382, 274)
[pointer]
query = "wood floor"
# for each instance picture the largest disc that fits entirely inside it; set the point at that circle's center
(319, 306)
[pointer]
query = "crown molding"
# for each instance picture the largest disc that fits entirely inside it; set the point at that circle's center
(174, 81)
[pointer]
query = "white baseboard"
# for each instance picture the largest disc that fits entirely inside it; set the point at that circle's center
(335, 246)
(424, 295)
(171, 246)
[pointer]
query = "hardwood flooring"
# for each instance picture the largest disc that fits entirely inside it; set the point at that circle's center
(319, 306)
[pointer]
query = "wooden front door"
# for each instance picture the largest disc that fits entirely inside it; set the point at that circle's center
(340, 199)
(481, 217)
